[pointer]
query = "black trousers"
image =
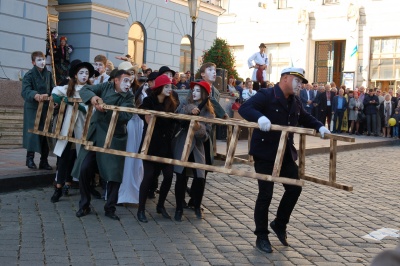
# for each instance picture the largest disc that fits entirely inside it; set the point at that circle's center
(338, 116)
(265, 191)
(196, 189)
(151, 171)
(87, 172)
(44, 146)
(65, 164)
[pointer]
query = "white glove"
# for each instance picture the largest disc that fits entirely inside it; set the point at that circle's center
(323, 130)
(264, 123)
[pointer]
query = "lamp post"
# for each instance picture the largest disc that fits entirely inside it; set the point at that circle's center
(194, 6)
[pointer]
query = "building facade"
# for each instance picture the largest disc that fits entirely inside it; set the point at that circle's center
(155, 32)
(346, 41)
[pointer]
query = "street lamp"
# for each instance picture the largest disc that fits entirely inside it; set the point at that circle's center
(194, 6)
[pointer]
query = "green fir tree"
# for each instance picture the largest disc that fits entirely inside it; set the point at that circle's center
(221, 56)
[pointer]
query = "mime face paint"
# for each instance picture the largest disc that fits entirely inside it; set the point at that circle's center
(82, 76)
(40, 62)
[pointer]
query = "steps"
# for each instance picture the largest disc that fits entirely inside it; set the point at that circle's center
(11, 125)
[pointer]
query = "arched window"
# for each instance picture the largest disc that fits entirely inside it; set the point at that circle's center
(136, 43)
(184, 64)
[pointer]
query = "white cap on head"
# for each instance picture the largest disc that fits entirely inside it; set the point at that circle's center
(296, 71)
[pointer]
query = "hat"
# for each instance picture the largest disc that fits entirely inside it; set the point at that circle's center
(63, 38)
(78, 64)
(128, 66)
(262, 45)
(152, 76)
(164, 69)
(202, 84)
(295, 71)
(161, 81)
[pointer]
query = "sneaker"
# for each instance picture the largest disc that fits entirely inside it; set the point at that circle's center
(57, 195)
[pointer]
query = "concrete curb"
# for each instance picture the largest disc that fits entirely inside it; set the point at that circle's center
(26, 181)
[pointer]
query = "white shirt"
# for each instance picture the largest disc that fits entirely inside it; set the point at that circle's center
(98, 79)
(246, 94)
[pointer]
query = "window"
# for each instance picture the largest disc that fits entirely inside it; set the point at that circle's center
(238, 53)
(184, 62)
(136, 43)
(285, 4)
(328, 2)
(385, 58)
(279, 58)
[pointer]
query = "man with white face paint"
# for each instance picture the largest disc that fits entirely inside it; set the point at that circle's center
(36, 87)
(278, 106)
(110, 166)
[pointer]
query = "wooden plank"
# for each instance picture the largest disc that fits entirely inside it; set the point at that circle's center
(52, 135)
(49, 116)
(73, 119)
(38, 115)
(302, 155)
(280, 153)
(149, 133)
(87, 121)
(232, 147)
(218, 121)
(188, 141)
(332, 160)
(111, 129)
(206, 167)
(60, 118)
(228, 137)
(337, 137)
(328, 183)
(250, 158)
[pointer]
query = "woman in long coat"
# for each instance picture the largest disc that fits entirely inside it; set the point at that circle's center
(198, 103)
(79, 76)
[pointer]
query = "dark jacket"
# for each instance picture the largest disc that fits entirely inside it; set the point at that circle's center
(370, 108)
(321, 101)
(280, 111)
(335, 104)
(382, 112)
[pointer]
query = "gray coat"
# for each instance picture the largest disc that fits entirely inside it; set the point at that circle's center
(34, 82)
(200, 136)
(111, 167)
(353, 113)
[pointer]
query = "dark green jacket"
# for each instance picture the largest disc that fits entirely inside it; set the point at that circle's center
(110, 166)
(34, 82)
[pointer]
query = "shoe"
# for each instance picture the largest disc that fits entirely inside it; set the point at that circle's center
(65, 190)
(190, 204)
(141, 216)
(83, 212)
(151, 195)
(30, 163)
(358, 134)
(95, 193)
(178, 216)
(281, 234)
(57, 195)
(264, 245)
(163, 211)
(368, 134)
(199, 213)
(112, 215)
(45, 165)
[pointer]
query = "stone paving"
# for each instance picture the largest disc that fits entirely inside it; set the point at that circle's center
(326, 227)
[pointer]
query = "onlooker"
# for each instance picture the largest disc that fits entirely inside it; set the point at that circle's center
(396, 116)
(176, 78)
(324, 104)
(239, 88)
(187, 75)
(339, 106)
(370, 102)
(355, 113)
(386, 110)
(147, 72)
(307, 97)
(381, 99)
(248, 91)
(109, 67)
(100, 62)
(183, 84)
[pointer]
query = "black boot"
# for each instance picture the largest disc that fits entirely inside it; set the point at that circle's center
(178, 215)
(57, 195)
(44, 164)
(29, 160)
(142, 217)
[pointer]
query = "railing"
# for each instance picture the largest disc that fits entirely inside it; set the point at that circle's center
(233, 126)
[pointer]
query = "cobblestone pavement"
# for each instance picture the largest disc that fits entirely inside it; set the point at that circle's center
(326, 227)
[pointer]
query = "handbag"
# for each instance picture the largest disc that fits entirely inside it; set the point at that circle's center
(361, 116)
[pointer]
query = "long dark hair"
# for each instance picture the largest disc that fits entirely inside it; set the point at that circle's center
(170, 103)
(72, 82)
(204, 95)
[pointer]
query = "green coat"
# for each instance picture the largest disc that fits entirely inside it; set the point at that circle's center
(34, 82)
(110, 166)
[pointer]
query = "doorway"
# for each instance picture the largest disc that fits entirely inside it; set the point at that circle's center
(329, 61)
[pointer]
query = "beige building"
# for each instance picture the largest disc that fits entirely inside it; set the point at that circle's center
(347, 41)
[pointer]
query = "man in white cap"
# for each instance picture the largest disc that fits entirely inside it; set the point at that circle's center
(279, 106)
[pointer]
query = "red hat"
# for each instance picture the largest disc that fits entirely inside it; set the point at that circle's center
(161, 81)
(202, 84)
(63, 38)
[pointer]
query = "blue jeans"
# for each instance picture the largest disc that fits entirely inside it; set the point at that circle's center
(396, 131)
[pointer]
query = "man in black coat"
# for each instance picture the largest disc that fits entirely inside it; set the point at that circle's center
(279, 106)
(324, 105)
(371, 101)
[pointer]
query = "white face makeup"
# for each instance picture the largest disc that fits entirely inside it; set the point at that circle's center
(209, 74)
(296, 84)
(82, 76)
(125, 83)
(99, 66)
(167, 90)
(40, 62)
(196, 93)
(168, 74)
